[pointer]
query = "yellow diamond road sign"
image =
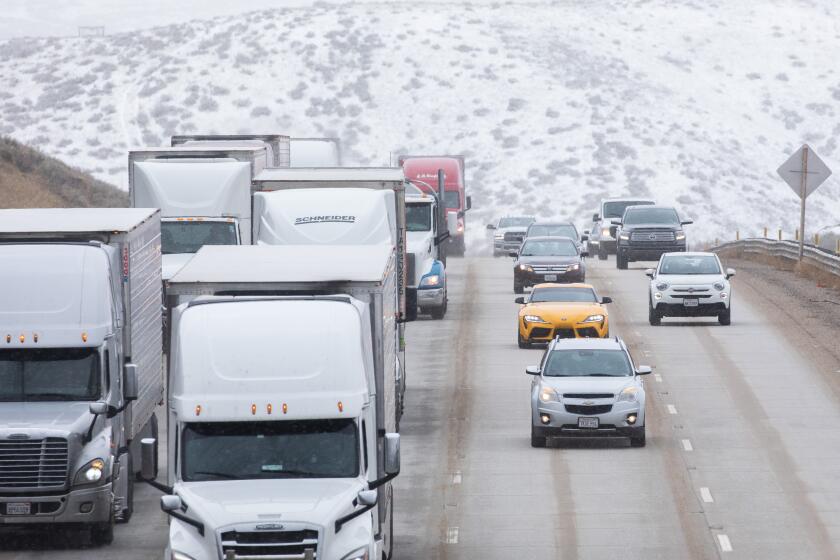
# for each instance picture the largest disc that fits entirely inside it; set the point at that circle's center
(804, 164)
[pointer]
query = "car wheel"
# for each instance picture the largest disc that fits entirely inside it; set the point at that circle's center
(524, 344)
(536, 441)
(620, 261)
(725, 318)
(518, 288)
(602, 254)
(654, 318)
(638, 440)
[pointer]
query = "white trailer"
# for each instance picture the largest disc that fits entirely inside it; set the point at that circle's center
(315, 152)
(204, 195)
(280, 408)
(278, 145)
(80, 362)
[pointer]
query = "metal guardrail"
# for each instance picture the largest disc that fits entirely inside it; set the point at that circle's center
(817, 257)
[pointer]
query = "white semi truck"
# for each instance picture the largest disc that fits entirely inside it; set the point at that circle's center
(80, 363)
(315, 152)
(282, 427)
(278, 145)
(426, 232)
(203, 192)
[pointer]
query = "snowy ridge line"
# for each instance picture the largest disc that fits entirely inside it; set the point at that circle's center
(818, 257)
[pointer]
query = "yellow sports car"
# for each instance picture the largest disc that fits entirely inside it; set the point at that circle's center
(564, 310)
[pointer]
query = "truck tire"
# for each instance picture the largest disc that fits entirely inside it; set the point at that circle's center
(102, 534)
(602, 253)
(537, 441)
(654, 318)
(518, 288)
(620, 261)
(438, 312)
(725, 317)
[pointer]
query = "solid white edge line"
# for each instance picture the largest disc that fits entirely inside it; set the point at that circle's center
(725, 544)
(706, 494)
(672, 409)
(686, 443)
(657, 377)
(452, 535)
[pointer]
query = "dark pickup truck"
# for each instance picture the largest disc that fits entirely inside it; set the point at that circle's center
(644, 233)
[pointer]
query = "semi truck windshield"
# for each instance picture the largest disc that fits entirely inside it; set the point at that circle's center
(418, 217)
(54, 374)
(254, 450)
(189, 237)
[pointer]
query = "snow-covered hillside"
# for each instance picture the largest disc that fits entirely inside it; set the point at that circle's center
(693, 102)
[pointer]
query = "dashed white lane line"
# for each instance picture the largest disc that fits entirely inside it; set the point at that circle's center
(672, 409)
(452, 535)
(706, 495)
(657, 377)
(725, 544)
(687, 445)
(456, 478)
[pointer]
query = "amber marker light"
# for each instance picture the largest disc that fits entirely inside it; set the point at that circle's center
(268, 408)
(8, 339)
(340, 406)
(22, 339)
(198, 410)
(35, 338)
(253, 408)
(285, 408)
(84, 337)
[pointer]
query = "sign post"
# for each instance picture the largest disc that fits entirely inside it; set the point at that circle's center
(804, 171)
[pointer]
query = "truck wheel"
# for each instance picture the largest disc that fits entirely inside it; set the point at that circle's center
(518, 289)
(103, 533)
(602, 254)
(438, 312)
(638, 440)
(536, 441)
(654, 318)
(524, 344)
(620, 261)
(725, 318)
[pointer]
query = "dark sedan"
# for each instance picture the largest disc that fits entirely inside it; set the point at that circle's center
(547, 259)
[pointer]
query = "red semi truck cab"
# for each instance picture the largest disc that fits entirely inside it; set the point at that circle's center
(422, 171)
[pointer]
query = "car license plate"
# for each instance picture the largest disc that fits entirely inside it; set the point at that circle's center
(691, 302)
(18, 508)
(550, 277)
(588, 422)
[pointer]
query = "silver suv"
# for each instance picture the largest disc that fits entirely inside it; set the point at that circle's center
(587, 387)
(509, 233)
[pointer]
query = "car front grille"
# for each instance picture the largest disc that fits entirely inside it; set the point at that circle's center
(33, 463)
(564, 333)
(588, 395)
(270, 545)
(689, 296)
(652, 236)
(540, 332)
(588, 332)
(555, 269)
(588, 410)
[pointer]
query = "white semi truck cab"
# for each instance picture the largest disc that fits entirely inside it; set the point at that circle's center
(203, 192)
(281, 423)
(80, 363)
(426, 249)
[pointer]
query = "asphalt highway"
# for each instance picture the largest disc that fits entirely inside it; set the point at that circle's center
(742, 458)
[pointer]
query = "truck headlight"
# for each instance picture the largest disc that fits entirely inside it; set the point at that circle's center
(534, 319)
(593, 319)
(624, 236)
(180, 556)
(526, 268)
(575, 266)
(680, 236)
(628, 394)
(359, 554)
(430, 280)
(548, 394)
(91, 472)
(605, 232)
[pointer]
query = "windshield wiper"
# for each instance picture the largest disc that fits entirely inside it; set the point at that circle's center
(227, 476)
(289, 472)
(604, 375)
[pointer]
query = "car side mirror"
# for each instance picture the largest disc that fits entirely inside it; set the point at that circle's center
(130, 382)
(596, 218)
(367, 497)
(171, 503)
(643, 370)
(147, 459)
(491, 226)
(519, 300)
(606, 299)
(687, 222)
(533, 370)
(649, 272)
(730, 272)
(392, 453)
(613, 231)
(469, 203)
(513, 254)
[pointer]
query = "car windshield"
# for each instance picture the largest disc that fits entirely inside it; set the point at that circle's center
(254, 450)
(548, 248)
(561, 294)
(418, 217)
(548, 230)
(665, 216)
(616, 208)
(680, 264)
(587, 363)
(515, 222)
(189, 237)
(54, 374)
(452, 199)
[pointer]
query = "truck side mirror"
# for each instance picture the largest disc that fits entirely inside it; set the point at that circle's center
(596, 218)
(613, 230)
(452, 221)
(469, 203)
(148, 467)
(98, 408)
(491, 226)
(584, 254)
(130, 382)
(392, 453)
(170, 503)
(687, 222)
(367, 497)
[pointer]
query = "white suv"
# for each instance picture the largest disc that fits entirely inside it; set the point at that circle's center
(689, 285)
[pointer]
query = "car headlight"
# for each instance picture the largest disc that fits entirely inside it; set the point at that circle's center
(575, 266)
(430, 280)
(548, 394)
(91, 473)
(359, 554)
(628, 394)
(593, 319)
(180, 556)
(624, 236)
(534, 319)
(680, 236)
(719, 286)
(605, 232)
(661, 286)
(526, 268)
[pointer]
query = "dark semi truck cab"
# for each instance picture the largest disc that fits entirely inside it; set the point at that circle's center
(645, 233)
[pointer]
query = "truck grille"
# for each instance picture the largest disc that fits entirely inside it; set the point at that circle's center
(33, 463)
(270, 545)
(652, 236)
(551, 269)
(517, 236)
